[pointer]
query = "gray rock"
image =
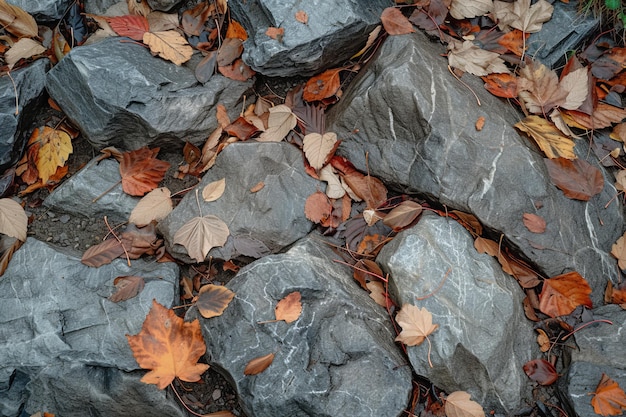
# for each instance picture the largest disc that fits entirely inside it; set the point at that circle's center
(337, 359)
(163, 5)
(566, 31)
(417, 124)
(77, 193)
(582, 379)
(59, 331)
(271, 218)
(121, 95)
(602, 343)
(335, 31)
(43, 10)
(483, 339)
(99, 6)
(15, 129)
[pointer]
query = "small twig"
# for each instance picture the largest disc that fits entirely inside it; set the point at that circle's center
(183, 403)
(585, 325)
(106, 221)
(380, 277)
(429, 349)
(198, 202)
(463, 82)
(108, 190)
(445, 277)
(17, 102)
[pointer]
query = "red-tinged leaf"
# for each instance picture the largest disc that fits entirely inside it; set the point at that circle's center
(317, 207)
(534, 223)
(235, 30)
(275, 33)
(242, 129)
(514, 41)
(501, 85)
(578, 179)
(367, 188)
(132, 26)
(213, 300)
(541, 371)
(563, 293)
(141, 172)
(126, 287)
(395, 23)
(237, 71)
(259, 364)
(102, 254)
(609, 399)
(403, 215)
(323, 85)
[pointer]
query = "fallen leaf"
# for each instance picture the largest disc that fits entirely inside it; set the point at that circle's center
(468, 57)
(214, 190)
(534, 223)
(317, 207)
(13, 219)
(395, 23)
(8, 246)
(578, 179)
(169, 347)
(213, 300)
(609, 399)
(403, 215)
(56, 147)
(132, 26)
(543, 341)
(302, 17)
(366, 270)
(200, 234)
(241, 129)
(416, 324)
(133, 242)
(22, 49)
(141, 172)
(377, 292)
(220, 414)
(16, 21)
(126, 287)
(280, 122)
(237, 71)
(289, 308)
(612, 295)
(159, 21)
(235, 30)
(154, 206)
(323, 85)
(541, 371)
(258, 187)
(275, 33)
(619, 251)
(222, 115)
(480, 123)
(563, 293)
(251, 247)
(334, 189)
(138, 7)
(459, 404)
(229, 51)
(514, 41)
(549, 139)
(521, 15)
(259, 364)
(169, 45)
(371, 38)
(317, 148)
(462, 9)
(193, 19)
(604, 115)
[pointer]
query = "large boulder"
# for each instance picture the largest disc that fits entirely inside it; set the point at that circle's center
(43, 10)
(119, 94)
(483, 339)
(337, 359)
(334, 31)
(259, 222)
(416, 123)
(63, 343)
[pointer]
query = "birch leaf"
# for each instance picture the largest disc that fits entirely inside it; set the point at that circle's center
(155, 205)
(13, 219)
(214, 190)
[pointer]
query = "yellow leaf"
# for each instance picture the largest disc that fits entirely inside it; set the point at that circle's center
(549, 139)
(416, 324)
(458, 404)
(56, 147)
(16, 21)
(169, 45)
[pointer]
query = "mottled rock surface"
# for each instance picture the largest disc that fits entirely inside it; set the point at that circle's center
(483, 337)
(337, 359)
(43, 10)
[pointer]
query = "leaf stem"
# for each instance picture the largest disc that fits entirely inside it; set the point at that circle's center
(108, 190)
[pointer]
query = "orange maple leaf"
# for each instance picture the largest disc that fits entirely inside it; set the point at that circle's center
(563, 293)
(608, 399)
(141, 171)
(169, 347)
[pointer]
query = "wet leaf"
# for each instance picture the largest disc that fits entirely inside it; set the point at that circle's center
(169, 45)
(169, 347)
(416, 324)
(403, 215)
(322, 86)
(459, 404)
(578, 179)
(395, 23)
(563, 293)
(154, 206)
(541, 371)
(214, 190)
(22, 49)
(213, 300)
(16, 21)
(534, 223)
(132, 26)
(289, 308)
(126, 287)
(259, 364)
(279, 124)
(549, 139)
(200, 234)
(13, 219)
(609, 399)
(318, 148)
(141, 172)
(317, 207)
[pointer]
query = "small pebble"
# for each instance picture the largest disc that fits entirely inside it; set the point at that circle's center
(216, 394)
(64, 218)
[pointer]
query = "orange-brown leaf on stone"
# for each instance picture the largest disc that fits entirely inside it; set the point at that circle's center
(13, 219)
(366, 270)
(141, 171)
(377, 293)
(237, 71)
(132, 26)
(154, 206)
(200, 234)
(615, 294)
(223, 413)
(543, 341)
(213, 300)
(579, 180)
(563, 293)
(548, 137)
(289, 308)
(317, 207)
(395, 23)
(169, 45)
(534, 222)
(275, 33)
(169, 347)
(604, 115)
(459, 404)
(235, 30)
(214, 190)
(501, 85)
(468, 57)
(323, 85)
(259, 364)
(258, 187)
(367, 188)
(468, 221)
(133, 242)
(319, 148)
(541, 371)
(416, 323)
(8, 246)
(126, 287)
(241, 128)
(514, 41)
(619, 251)
(280, 122)
(302, 17)
(372, 244)
(480, 123)
(341, 212)
(27, 166)
(56, 147)
(403, 215)
(16, 21)
(609, 399)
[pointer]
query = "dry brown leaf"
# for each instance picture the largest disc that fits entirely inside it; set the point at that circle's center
(213, 300)
(229, 51)
(238, 71)
(8, 246)
(258, 187)
(459, 404)
(563, 293)
(416, 324)
(169, 347)
(370, 41)
(395, 23)
(619, 251)
(318, 148)
(377, 292)
(259, 364)
(604, 115)
(141, 171)
(480, 123)
(609, 399)
(468, 57)
(323, 85)
(154, 206)
(367, 188)
(13, 219)
(403, 215)
(317, 207)
(200, 234)
(578, 179)
(549, 139)
(126, 287)
(16, 21)
(138, 7)
(275, 33)
(214, 190)
(289, 308)
(534, 223)
(24, 48)
(159, 21)
(541, 371)
(302, 17)
(169, 45)
(279, 124)
(235, 30)
(466, 9)
(521, 15)
(334, 189)
(220, 414)
(193, 19)
(488, 246)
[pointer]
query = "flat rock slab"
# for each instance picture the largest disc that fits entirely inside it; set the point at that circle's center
(416, 123)
(483, 337)
(119, 94)
(259, 222)
(337, 359)
(335, 30)
(56, 322)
